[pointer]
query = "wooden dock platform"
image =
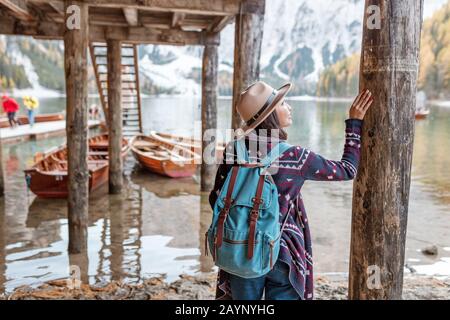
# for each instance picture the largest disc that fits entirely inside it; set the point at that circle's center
(40, 130)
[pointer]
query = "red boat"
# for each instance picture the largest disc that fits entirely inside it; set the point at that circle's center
(47, 178)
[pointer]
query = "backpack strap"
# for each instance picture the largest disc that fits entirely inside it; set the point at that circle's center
(275, 153)
(224, 212)
(241, 151)
(253, 219)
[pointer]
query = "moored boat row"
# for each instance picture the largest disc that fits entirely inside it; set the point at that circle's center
(165, 154)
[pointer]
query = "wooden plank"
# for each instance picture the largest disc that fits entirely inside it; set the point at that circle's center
(205, 7)
(220, 23)
(177, 18)
(131, 15)
(19, 9)
(75, 64)
(2, 180)
(209, 109)
(132, 35)
(138, 86)
(115, 116)
(389, 57)
(247, 53)
(57, 6)
(99, 85)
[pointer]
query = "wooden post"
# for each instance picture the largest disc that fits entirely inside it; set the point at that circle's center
(247, 50)
(115, 115)
(209, 104)
(2, 245)
(2, 181)
(389, 66)
(75, 63)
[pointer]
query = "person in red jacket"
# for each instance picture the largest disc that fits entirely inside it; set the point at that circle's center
(10, 106)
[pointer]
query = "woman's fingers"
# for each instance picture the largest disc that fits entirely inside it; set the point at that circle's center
(359, 97)
(366, 99)
(368, 104)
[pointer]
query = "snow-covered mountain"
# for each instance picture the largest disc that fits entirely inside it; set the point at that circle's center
(301, 38)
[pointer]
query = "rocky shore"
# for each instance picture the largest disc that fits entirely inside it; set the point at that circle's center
(202, 287)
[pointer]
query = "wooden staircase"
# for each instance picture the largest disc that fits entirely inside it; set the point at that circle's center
(131, 97)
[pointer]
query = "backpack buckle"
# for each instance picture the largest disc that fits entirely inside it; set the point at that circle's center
(257, 200)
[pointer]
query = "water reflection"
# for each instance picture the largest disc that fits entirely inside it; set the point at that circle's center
(157, 225)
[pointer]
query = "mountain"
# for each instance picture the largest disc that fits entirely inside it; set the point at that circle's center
(303, 40)
(341, 78)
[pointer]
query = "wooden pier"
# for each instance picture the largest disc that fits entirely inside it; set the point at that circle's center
(39, 131)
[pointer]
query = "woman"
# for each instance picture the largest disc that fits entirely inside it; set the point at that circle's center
(265, 114)
(31, 103)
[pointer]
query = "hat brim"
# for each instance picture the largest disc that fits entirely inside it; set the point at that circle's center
(281, 94)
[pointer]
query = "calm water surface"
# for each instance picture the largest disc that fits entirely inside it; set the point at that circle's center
(156, 226)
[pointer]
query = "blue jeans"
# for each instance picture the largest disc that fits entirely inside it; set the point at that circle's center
(31, 117)
(276, 284)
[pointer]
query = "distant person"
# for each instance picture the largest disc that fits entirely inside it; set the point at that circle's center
(10, 106)
(93, 112)
(31, 103)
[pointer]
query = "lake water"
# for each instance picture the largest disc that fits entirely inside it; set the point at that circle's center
(157, 224)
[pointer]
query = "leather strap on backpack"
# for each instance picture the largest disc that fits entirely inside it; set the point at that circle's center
(224, 212)
(257, 200)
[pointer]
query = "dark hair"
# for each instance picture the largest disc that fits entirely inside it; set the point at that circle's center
(271, 122)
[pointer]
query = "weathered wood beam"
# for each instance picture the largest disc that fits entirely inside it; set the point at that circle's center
(209, 108)
(389, 67)
(177, 18)
(52, 30)
(114, 58)
(19, 9)
(247, 53)
(204, 7)
(75, 64)
(2, 180)
(132, 16)
(220, 23)
(3, 244)
(57, 6)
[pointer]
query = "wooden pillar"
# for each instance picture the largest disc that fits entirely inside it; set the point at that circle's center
(389, 66)
(209, 104)
(247, 50)
(115, 115)
(2, 246)
(2, 181)
(75, 63)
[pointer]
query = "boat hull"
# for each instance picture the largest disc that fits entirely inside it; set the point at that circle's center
(54, 185)
(165, 168)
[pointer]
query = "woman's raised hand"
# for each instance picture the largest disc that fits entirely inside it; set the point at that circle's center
(361, 105)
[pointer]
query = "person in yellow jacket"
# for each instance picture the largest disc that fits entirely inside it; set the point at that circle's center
(31, 103)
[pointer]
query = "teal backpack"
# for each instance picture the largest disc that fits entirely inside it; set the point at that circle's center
(244, 236)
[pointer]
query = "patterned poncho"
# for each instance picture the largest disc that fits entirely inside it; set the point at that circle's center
(295, 166)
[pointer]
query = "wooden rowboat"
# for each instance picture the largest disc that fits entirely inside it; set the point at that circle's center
(422, 114)
(47, 178)
(194, 145)
(164, 158)
(22, 120)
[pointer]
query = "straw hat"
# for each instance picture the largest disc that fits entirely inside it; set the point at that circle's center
(256, 103)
